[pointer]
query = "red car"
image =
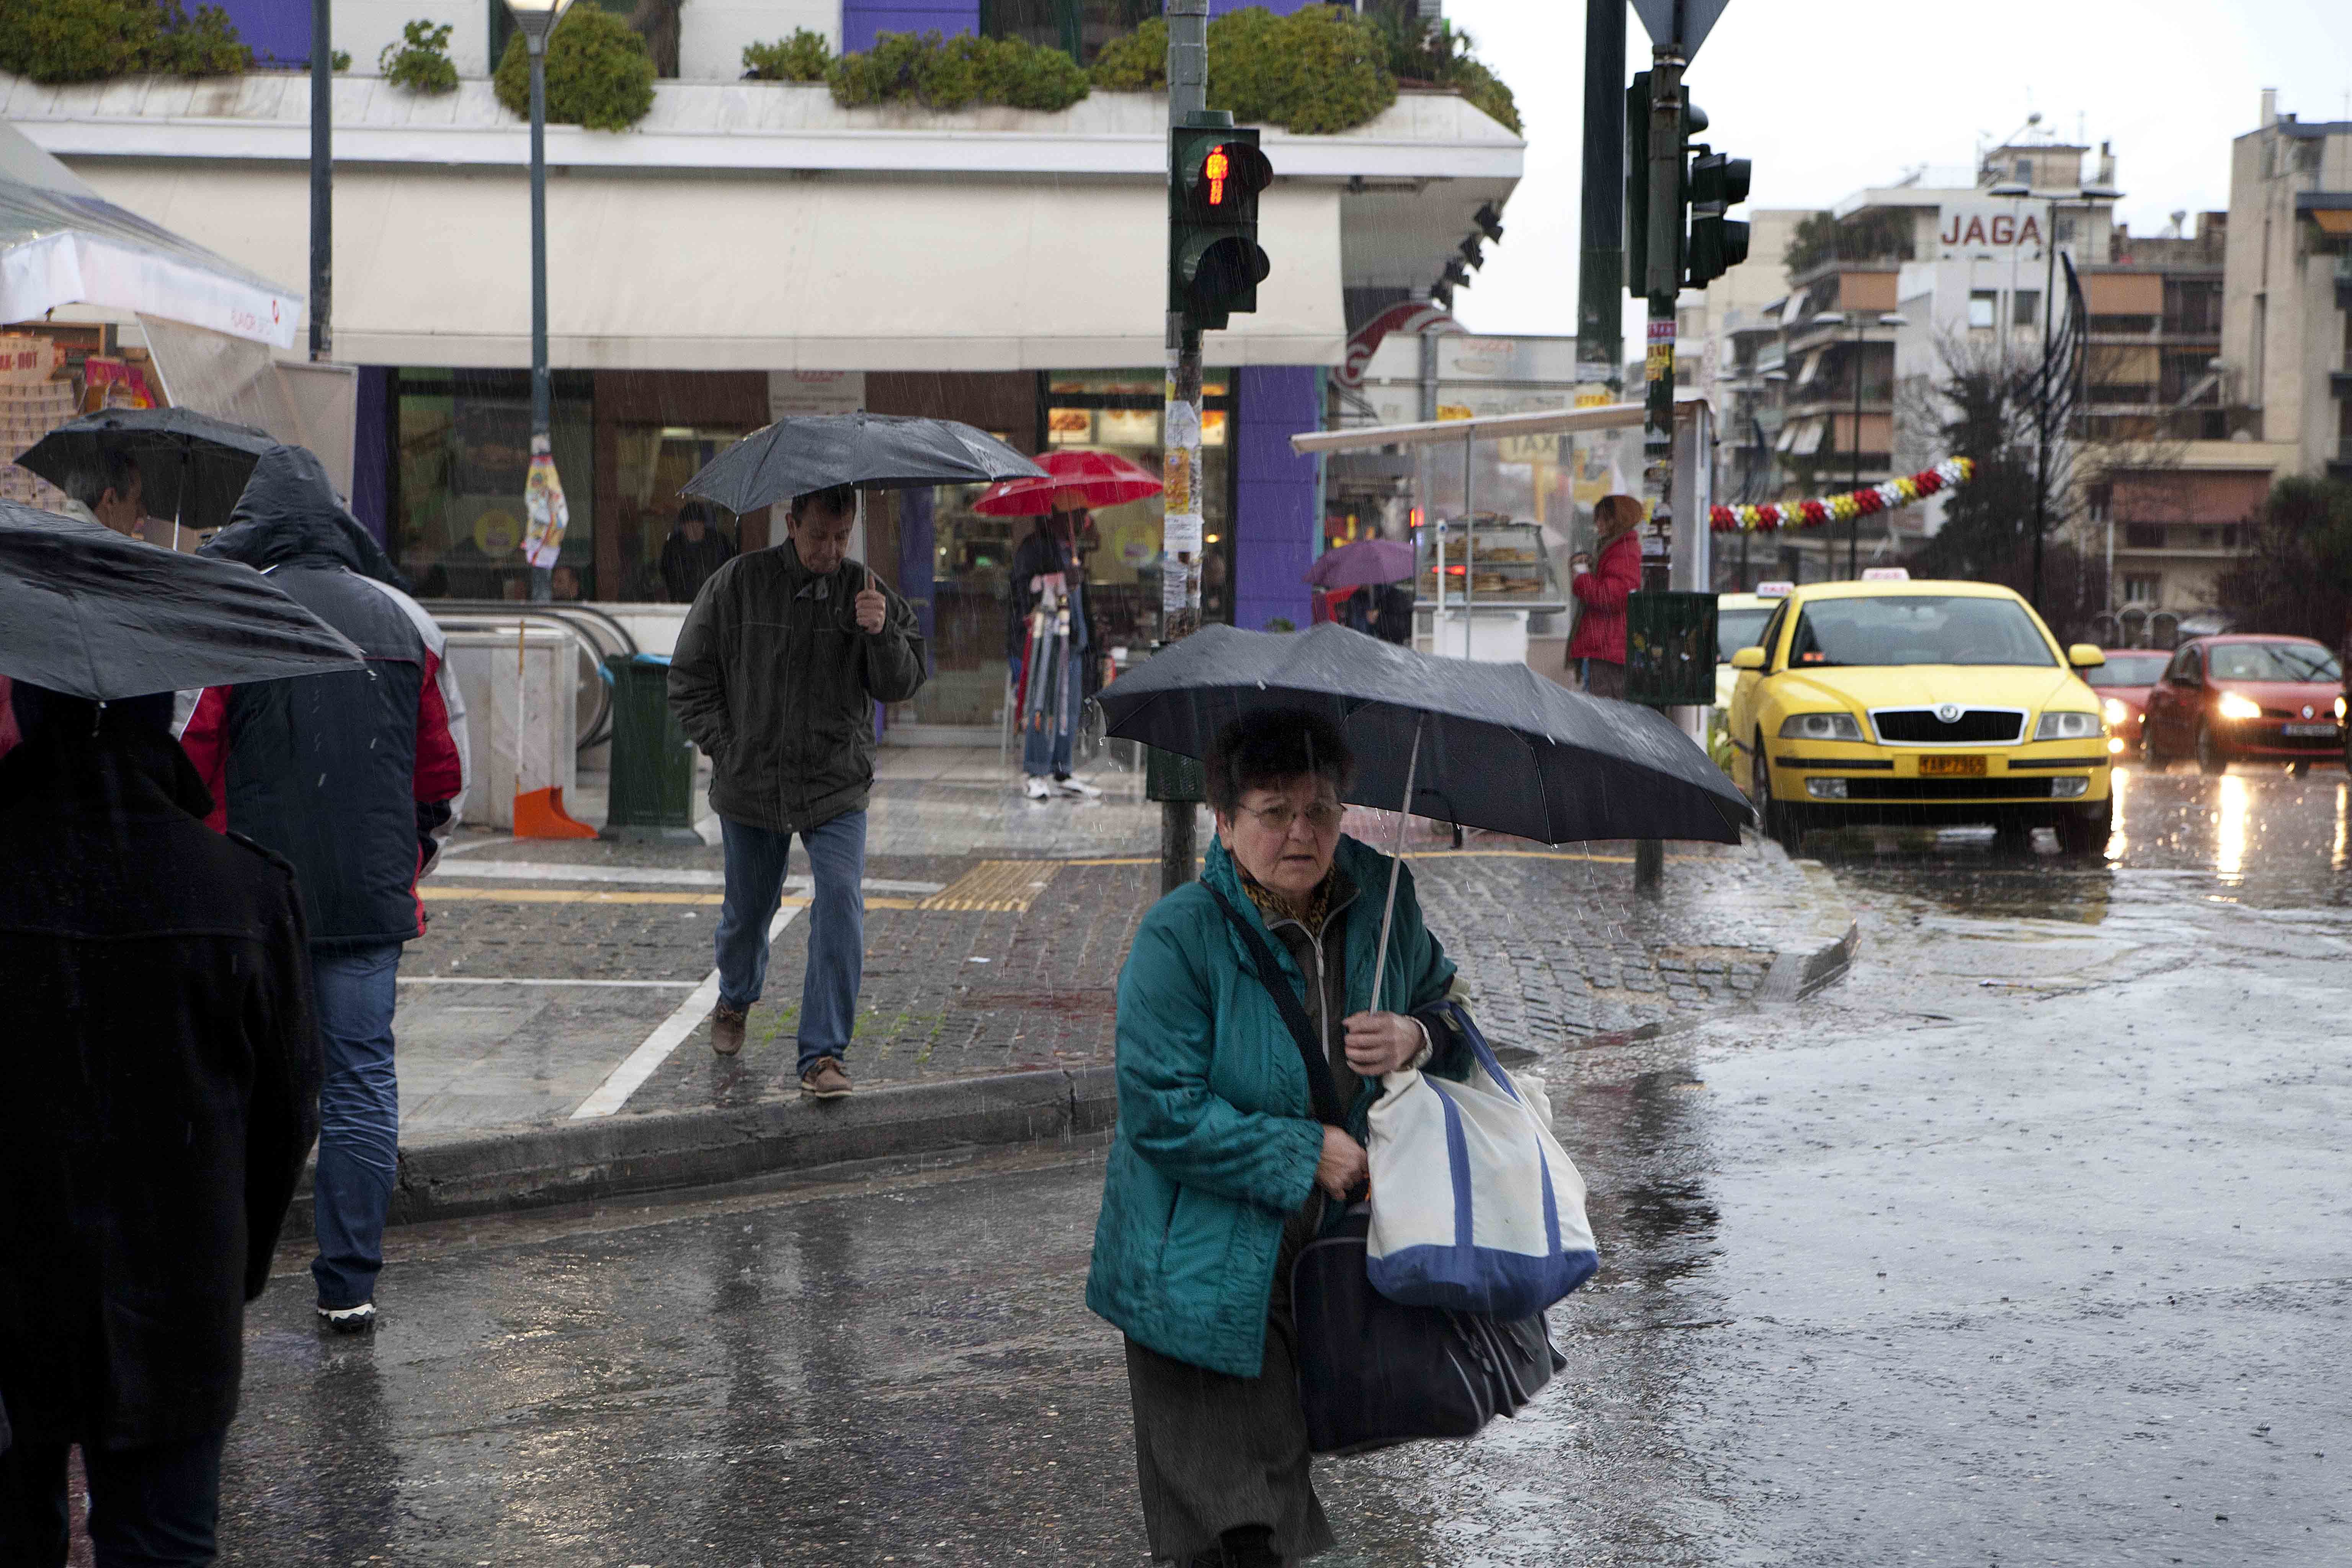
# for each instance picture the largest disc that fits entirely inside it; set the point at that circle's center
(2247, 698)
(2123, 684)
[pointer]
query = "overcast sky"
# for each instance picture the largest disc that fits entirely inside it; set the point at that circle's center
(1829, 96)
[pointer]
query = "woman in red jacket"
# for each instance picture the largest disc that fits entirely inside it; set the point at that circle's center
(1602, 588)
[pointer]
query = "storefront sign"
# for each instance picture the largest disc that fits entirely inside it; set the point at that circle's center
(815, 392)
(1407, 317)
(1992, 228)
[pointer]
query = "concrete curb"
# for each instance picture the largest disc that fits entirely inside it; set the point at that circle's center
(1799, 971)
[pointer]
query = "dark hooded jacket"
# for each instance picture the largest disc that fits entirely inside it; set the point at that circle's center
(159, 1083)
(347, 774)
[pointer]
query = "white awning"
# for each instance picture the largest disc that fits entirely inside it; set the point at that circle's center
(738, 271)
(62, 243)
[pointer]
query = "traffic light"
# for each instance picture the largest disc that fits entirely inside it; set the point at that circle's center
(1215, 265)
(1718, 244)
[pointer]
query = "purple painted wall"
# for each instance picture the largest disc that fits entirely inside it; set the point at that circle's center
(862, 19)
(1274, 523)
(1279, 8)
(372, 452)
(275, 30)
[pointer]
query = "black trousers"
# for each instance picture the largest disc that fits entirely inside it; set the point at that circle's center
(149, 1508)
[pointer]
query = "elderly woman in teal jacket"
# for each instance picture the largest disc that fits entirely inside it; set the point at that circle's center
(1220, 1172)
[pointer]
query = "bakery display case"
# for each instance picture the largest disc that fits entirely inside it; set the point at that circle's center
(1501, 563)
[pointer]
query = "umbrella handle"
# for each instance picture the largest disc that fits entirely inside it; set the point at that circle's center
(1396, 860)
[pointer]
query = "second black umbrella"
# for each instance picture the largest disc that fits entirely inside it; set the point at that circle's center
(192, 466)
(807, 452)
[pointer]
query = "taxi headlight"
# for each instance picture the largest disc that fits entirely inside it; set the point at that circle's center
(1820, 727)
(2233, 706)
(2069, 787)
(2067, 727)
(2115, 711)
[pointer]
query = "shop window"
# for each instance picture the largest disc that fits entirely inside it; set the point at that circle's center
(461, 451)
(650, 464)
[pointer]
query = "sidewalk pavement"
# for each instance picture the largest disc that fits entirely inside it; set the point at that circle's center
(554, 1037)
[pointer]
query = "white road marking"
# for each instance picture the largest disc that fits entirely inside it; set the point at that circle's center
(651, 876)
(504, 980)
(641, 1064)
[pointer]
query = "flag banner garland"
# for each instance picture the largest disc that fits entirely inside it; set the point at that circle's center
(1950, 472)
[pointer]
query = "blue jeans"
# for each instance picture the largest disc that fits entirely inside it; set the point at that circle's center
(756, 861)
(156, 1507)
(359, 1118)
(1046, 739)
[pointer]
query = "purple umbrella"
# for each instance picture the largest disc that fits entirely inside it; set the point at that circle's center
(1367, 560)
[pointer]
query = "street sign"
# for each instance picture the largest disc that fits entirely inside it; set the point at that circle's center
(1697, 19)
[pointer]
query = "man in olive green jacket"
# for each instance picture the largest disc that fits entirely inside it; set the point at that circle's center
(776, 673)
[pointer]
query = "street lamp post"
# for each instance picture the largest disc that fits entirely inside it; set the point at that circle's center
(1853, 523)
(537, 18)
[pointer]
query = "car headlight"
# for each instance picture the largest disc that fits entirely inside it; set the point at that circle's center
(2115, 711)
(1820, 727)
(2339, 710)
(2061, 726)
(2233, 706)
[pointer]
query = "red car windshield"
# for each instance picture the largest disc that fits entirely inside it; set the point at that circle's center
(2272, 661)
(2129, 669)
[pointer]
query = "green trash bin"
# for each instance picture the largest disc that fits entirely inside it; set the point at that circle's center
(1670, 649)
(653, 761)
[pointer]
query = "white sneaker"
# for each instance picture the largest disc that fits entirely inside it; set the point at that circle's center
(1068, 785)
(1035, 787)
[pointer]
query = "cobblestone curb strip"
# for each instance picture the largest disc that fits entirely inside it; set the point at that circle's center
(586, 1161)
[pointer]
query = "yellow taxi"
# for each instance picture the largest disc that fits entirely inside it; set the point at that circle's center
(1738, 621)
(1919, 702)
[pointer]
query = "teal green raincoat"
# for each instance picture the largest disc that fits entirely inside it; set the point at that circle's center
(1217, 1140)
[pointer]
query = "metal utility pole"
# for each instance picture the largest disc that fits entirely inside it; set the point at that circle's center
(1600, 308)
(322, 168)
(1853, 523)
(1181, 526)
(2042, 407)
(1661, 284)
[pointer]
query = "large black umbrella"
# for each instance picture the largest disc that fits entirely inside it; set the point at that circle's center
(87, 612)
(1487, 745)
(805, 452)
(192, 466)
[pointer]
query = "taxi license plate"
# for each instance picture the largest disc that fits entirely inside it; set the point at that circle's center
(2307, 729)
(1952, 767)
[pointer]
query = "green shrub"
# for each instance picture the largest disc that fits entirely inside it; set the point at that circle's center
(950, 73)
(422, 63)
(804, 57)
(1315, 71)
(1318, 70)
(598, 73)
(92, 40)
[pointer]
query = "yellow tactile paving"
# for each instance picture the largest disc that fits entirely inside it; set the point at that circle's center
(583, 895)
(996, 886)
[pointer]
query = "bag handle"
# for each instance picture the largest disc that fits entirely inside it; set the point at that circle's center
(1459, 1017)
(1319, 1087)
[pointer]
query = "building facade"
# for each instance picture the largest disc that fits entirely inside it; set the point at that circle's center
(751, 248)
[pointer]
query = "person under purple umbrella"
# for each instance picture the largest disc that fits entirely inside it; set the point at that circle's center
(1383, 568)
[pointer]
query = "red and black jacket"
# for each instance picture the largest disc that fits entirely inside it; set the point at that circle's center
(346, 774)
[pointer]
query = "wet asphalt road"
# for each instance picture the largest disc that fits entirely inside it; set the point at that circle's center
(2028, 1243)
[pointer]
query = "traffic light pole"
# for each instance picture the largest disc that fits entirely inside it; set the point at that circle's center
(1661, 284)
(1599, 310)
(1181, 515)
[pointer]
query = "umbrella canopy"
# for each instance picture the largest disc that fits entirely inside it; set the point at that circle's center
(1365, 562)
(1487, 745)
(1103, 478)
(806, 452)
(192, 466)
(86, 612)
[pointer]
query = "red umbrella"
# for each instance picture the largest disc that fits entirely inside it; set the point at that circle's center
(1103, 478)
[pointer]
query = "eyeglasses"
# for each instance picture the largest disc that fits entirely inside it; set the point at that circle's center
(1322, 816)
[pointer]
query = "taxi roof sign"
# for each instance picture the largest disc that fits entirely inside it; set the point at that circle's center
(1775, 590)
(1887, 575)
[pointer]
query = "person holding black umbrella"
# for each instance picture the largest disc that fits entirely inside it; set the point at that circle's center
(776, 672)
(108, 491)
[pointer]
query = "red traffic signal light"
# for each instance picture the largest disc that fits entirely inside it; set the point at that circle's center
(1225, 178)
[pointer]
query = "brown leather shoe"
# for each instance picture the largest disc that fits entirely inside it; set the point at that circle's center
(825, 1081)
(725, 1030)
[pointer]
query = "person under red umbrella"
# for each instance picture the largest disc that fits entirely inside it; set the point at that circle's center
(1050, 638)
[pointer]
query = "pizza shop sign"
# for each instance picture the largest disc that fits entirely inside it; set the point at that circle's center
(1992, 228)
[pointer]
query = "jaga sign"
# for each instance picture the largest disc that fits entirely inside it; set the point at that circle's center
(2001, 227)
